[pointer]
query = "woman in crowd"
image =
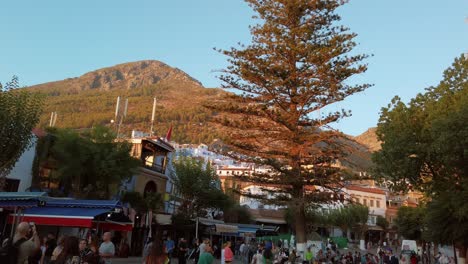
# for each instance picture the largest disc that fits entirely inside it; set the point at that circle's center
(228, 255)
(258, 257)
(58, 248)
(70, 253)
(93, 257)
(157, 254)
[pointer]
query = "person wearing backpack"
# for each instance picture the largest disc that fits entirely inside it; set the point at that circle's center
(23, 247)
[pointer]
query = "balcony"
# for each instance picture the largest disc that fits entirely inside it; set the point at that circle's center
(154, 167)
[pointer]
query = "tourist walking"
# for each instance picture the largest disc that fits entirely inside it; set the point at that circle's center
(70, 253)
(58, 249)
(183, 248)
(207, 256)
(228, 255)
(157, 254)
(107, 248)
(93, 256)
(26, 247)
(169, 244)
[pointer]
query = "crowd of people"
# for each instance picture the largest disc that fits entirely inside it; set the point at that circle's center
(27, 248)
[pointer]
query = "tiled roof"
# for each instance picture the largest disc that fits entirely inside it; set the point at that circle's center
(365, 189)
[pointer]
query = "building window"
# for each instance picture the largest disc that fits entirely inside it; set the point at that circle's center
(377, 204)
(357, 200)
(364, 202)
(371, 203)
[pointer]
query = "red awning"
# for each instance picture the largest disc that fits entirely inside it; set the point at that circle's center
(58, 216)
(108, 226)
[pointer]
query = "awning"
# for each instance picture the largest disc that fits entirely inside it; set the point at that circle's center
(375, 228)
(220, 228)
(11, 200)
(164, 219)
(58, 216)
(113, 226)
(270, 220)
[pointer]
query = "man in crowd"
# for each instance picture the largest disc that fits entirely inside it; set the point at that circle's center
(107, 248)
(26, 246)
(170, 245)
(183, 248)
(207, 256)
(203, 245)
(51, 243)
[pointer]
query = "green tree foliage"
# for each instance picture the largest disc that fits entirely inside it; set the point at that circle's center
(382, 222)
(297, 64)
(410, 222)
(425, 147)
(19, 114)
(237, 214)
(199, 187)
(91, 164)
(152, 201)
(425, 142)
(447, 219)
(352, 216)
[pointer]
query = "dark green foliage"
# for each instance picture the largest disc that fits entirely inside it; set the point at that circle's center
(199, 187)
(19, 114)
(352, 216)
(410, 222)
(382, 222)
(152, 201)
(297, 64)
(425, 142)
(237, 214)
(425, 147)
(447, 219)
(91, 164)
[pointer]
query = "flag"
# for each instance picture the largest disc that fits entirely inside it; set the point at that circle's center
(169, 133)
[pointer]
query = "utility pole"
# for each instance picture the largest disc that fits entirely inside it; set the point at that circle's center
(152, 116)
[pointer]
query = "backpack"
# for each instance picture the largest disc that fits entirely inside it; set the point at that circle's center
(10, 251)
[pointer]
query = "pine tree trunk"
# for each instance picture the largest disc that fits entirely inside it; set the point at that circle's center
(301, 239)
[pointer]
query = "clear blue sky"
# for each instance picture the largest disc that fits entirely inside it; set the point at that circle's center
(412, 41)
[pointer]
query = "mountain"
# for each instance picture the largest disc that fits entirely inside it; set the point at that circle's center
(123, 76)
(90, 100)
(369, 139)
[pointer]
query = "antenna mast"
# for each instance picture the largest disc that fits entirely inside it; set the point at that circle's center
(152, 116)
(123, 115)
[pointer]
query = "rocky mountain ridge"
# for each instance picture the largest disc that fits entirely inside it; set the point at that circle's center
(125, 76)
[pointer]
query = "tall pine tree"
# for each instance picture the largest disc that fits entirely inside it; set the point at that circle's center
(296, 65)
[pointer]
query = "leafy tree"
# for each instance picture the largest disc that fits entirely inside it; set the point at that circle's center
(352, 216)
(19, 114)
(199, 187)
(91, 164)
(237, 214)
(384, 224)
(410, 222)
(425, 147)
(297, 64)
(152, 201)
(446, 220)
